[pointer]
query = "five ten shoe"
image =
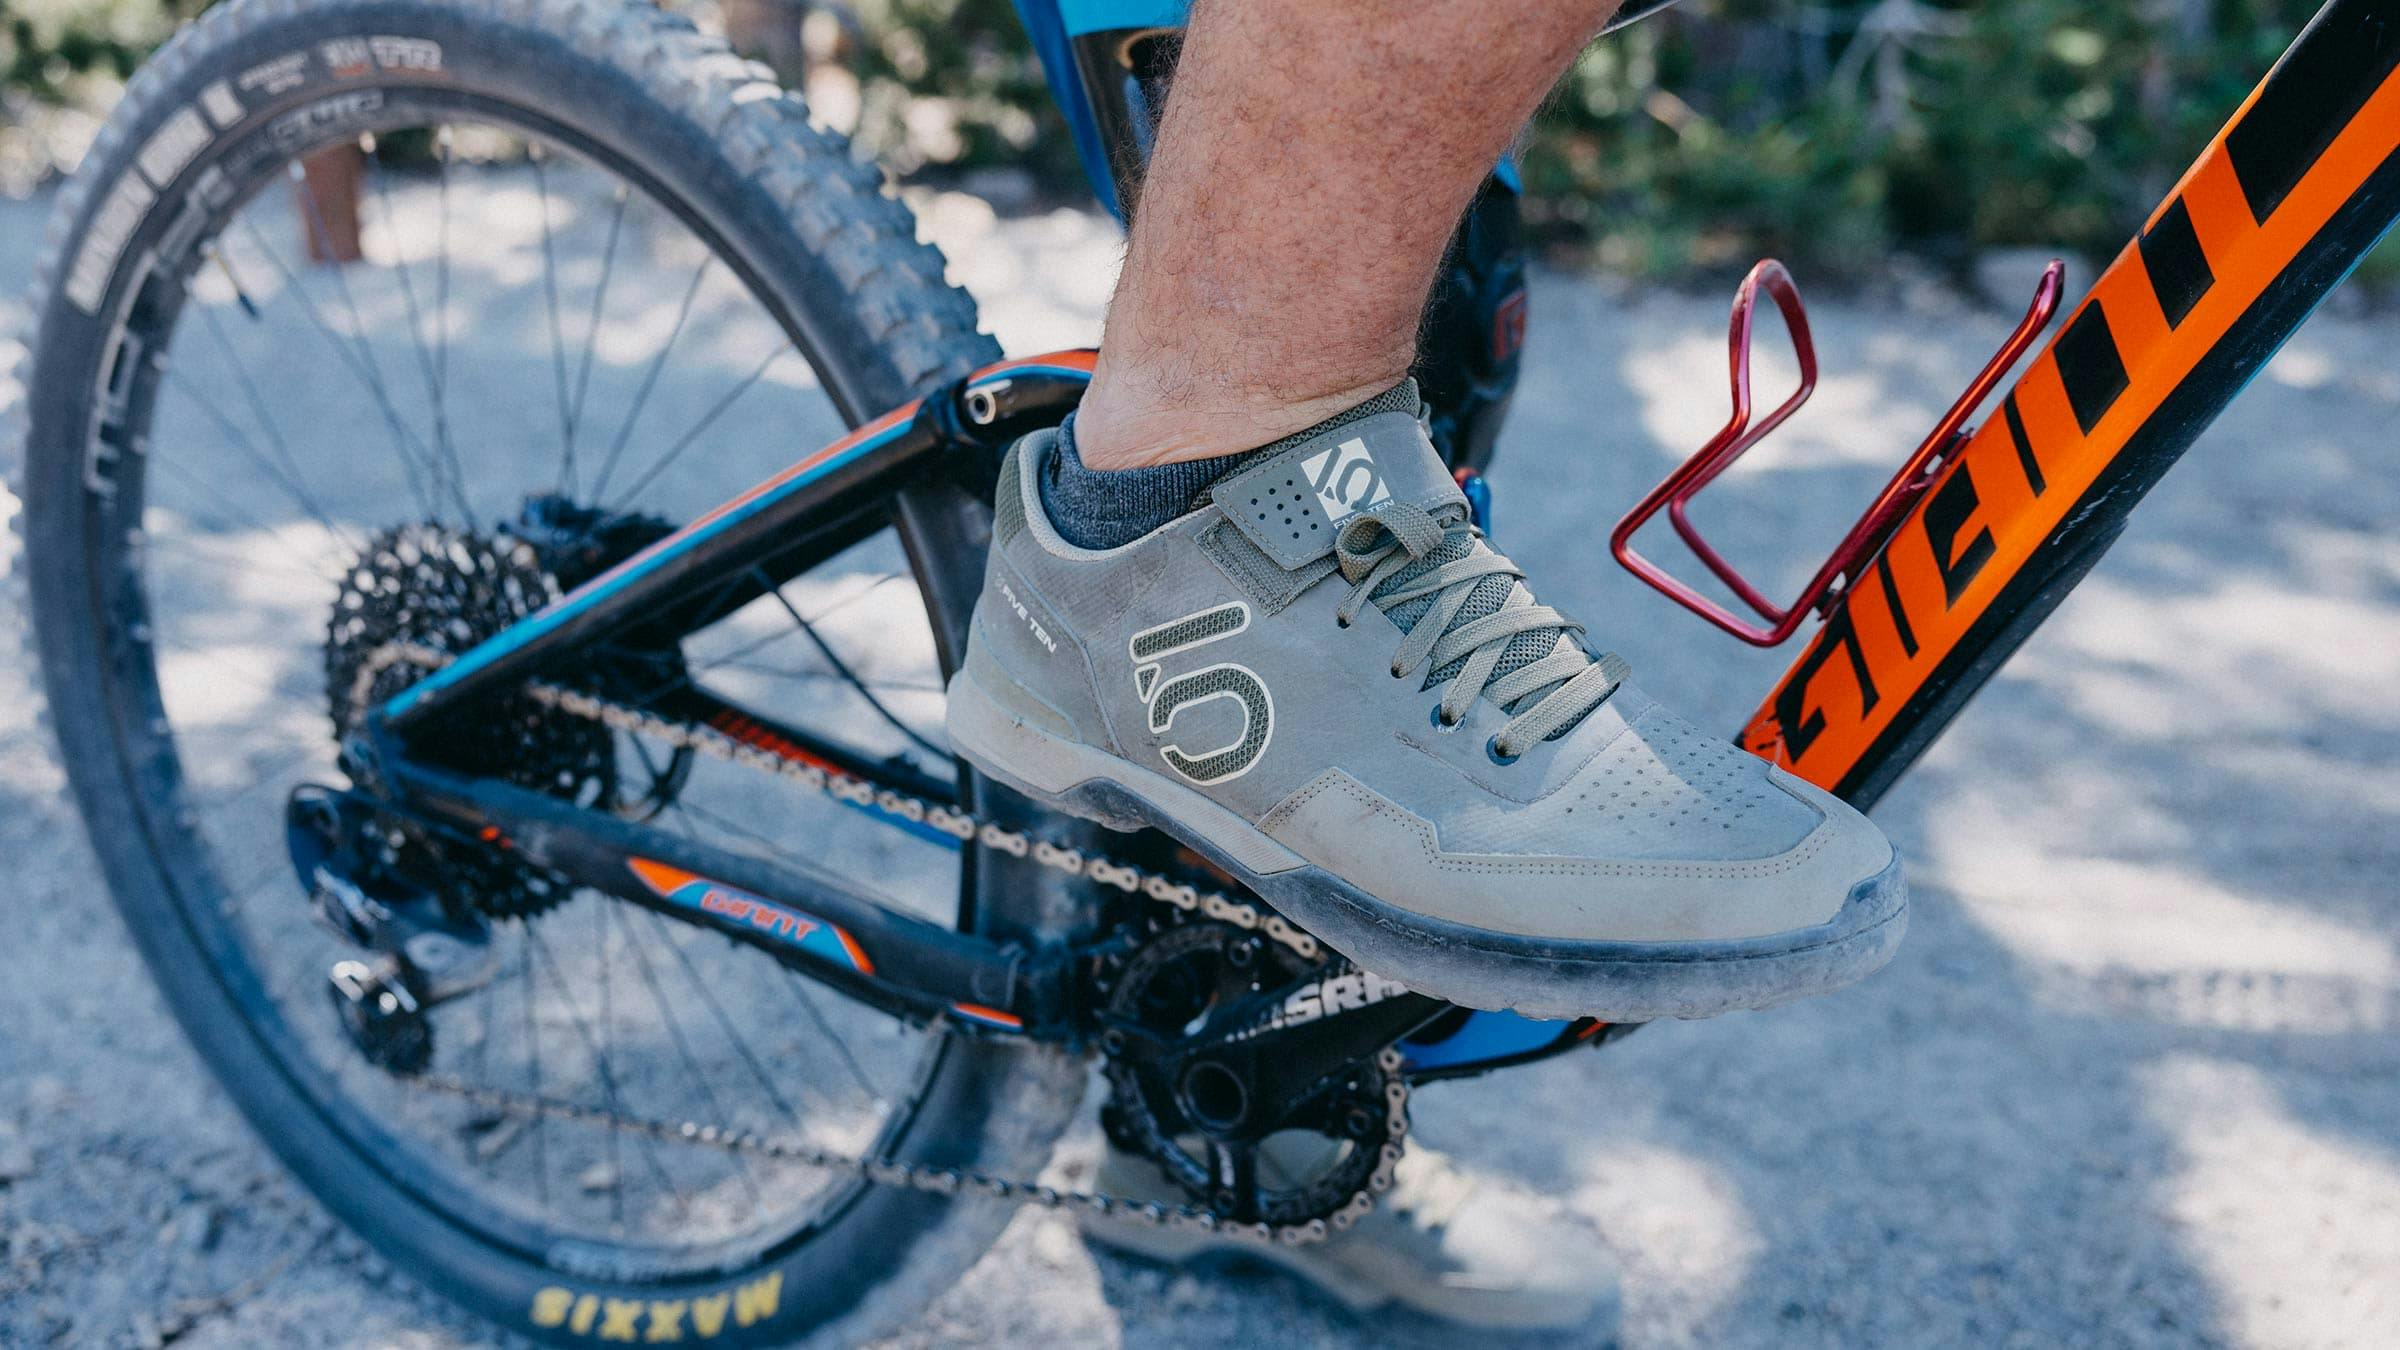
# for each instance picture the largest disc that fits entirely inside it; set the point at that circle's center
(1323, 679)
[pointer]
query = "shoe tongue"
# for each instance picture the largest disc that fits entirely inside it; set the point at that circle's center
(1292, 502)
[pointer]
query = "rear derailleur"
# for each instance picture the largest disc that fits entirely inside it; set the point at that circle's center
(418, 899)
(419, 948)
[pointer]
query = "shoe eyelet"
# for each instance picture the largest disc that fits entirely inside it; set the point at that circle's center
(1441, 723)
(1491, 750)
(1398, 673)
(1340, 622)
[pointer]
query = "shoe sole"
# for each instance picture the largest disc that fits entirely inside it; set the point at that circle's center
(1472, 1307)
(1458, 963)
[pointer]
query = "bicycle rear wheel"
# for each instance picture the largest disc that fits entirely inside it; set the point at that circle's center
(599, 262)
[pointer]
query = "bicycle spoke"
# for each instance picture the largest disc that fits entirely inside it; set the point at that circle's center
(707, 420)
(649, 766)
(240, 566)
(842, 669)
(591, 332)
(441, 273)
(689, 678)
(683, 1048)
(608, 1079)
(608, 1032)
(268, 777)
(400, 434)
(433, 384)
(369, 366)
(533, 1058)
(489, 997)
(798, 984)
(735, 827)
(658, 366)
(290, 477)
(828, 676)
(693, 670)
(733, 1035)
(558, 336)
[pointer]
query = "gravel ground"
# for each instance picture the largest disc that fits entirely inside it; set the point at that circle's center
(2132, 1081)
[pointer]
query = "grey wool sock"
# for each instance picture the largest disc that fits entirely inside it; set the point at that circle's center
(1110, 508)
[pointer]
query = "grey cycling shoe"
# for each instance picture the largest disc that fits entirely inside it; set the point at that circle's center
(1477, 1251)
(1325, 681)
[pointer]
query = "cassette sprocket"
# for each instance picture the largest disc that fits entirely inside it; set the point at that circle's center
(446, 590)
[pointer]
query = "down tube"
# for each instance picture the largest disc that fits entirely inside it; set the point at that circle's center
(2282, 204)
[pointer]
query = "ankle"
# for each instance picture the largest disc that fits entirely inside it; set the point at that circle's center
(1103, 508)
(1128, 422)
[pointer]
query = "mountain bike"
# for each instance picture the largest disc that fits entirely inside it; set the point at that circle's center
(550, 843)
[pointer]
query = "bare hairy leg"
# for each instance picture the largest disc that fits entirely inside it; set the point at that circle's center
(1313, 162)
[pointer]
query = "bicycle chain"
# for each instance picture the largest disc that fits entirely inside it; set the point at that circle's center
(958, 825)
(964, 827)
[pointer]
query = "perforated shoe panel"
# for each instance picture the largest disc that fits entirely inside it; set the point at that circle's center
(1664, 790)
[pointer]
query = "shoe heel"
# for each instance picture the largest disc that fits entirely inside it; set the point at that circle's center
(1010, 746)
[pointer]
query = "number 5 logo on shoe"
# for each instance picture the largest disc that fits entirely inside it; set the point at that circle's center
(1346, 480)
(1225, 680)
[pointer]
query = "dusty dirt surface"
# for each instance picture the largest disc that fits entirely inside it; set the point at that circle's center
(2135, 1078)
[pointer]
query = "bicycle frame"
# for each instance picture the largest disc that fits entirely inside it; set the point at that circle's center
(2281, 205)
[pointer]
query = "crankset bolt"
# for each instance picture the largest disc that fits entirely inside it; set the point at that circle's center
(1215, 1096)
(1113, 1041)
(1360, 1122)
(1241, 952)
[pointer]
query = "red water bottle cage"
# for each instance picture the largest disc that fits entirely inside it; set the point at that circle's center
(1739, 434)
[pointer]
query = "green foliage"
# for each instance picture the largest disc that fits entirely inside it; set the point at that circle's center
(1828, 133)
(50, 50)
(60, 61)
(1838, 131)
(955, 83)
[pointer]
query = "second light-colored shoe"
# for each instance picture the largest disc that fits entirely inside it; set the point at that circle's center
(1326, 681)
(1479, 1252)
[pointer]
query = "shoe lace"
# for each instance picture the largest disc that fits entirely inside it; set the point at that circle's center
(1397, 554)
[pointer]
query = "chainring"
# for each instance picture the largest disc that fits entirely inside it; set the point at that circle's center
(447, 590)
(1312, 1162)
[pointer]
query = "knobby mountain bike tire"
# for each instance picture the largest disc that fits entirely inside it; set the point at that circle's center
(217, 118)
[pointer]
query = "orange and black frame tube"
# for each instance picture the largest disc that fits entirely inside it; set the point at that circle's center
(2276, 211)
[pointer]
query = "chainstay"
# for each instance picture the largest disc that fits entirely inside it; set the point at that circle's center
(964, 827)
(959, 825)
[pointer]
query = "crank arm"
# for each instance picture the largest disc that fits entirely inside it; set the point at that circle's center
(810, 919)
(1287, 1044)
